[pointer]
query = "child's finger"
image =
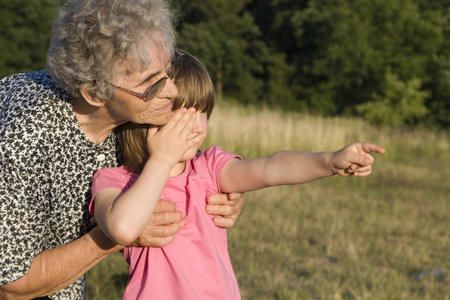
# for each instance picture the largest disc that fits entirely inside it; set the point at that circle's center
(369, 147)
(363, 171)
(195, 140)
(356, 159)
(356, 168)
(176, 117)
(187, 122)
(189, 126)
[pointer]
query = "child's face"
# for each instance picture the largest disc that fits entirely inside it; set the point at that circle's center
(201, 126)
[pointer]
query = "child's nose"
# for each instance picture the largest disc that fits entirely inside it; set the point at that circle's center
(199, 126)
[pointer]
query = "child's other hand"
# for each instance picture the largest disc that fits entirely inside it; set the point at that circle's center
(355, 159)
(171, 142)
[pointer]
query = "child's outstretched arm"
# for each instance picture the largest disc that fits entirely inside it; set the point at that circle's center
(293, 167)
(123, 215)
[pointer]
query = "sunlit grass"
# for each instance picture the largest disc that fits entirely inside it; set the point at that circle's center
(336, 238)
(255, 131)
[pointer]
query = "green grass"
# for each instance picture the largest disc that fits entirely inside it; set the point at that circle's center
(336, 238)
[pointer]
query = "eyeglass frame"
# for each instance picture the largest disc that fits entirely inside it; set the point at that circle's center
(158, 85)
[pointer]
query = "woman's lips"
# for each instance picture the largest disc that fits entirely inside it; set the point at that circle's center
(166, 107)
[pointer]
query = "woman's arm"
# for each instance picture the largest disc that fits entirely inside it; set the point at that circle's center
(55, 269)
(293, 167)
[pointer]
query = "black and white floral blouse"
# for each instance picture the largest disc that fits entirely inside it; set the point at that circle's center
(46, 167)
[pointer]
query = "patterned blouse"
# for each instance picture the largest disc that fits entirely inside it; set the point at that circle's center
(46, 167)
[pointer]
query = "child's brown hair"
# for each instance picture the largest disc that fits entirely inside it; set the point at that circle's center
(195, 89)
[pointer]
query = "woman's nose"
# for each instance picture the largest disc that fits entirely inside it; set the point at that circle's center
(169, 90)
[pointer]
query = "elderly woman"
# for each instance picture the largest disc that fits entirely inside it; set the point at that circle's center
(108, 64)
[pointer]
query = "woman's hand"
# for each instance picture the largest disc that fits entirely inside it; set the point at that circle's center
(226, 208)
(163, 226)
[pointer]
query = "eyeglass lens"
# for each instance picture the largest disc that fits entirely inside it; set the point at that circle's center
(159, 85)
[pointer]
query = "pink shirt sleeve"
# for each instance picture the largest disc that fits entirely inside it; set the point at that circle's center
(118, 178)
(216, 159)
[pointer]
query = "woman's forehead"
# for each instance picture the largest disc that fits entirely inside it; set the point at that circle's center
(156, 64)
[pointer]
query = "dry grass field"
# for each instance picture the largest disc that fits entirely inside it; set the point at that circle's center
(386, 236)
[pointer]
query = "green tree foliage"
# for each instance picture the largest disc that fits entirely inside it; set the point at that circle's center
(399, 103)
(223, 34)
(321, 56)
(24, 34)
(439, 67)
(439, 84)
(341, 50)
(347, 46)
(225, 38)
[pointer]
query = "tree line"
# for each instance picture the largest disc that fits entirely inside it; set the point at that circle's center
(387, 61)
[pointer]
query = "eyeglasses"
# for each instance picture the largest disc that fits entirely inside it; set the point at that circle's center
(155, 88)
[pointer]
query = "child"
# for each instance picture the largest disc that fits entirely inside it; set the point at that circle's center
(196, 265)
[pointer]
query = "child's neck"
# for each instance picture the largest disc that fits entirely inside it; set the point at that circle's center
(178, 169)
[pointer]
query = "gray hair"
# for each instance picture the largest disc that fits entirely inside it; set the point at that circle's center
(90, 38)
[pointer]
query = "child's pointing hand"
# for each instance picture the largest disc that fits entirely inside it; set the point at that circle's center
(355, 159)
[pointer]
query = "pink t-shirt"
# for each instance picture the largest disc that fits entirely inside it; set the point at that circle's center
(196, 265)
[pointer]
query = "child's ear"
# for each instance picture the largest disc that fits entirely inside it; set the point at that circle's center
(91, 99)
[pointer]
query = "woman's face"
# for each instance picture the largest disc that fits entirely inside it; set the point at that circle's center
(125, 106)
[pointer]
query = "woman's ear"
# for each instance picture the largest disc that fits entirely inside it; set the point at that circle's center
(91, 99)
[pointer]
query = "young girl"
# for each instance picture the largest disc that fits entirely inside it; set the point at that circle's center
(196, 265)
